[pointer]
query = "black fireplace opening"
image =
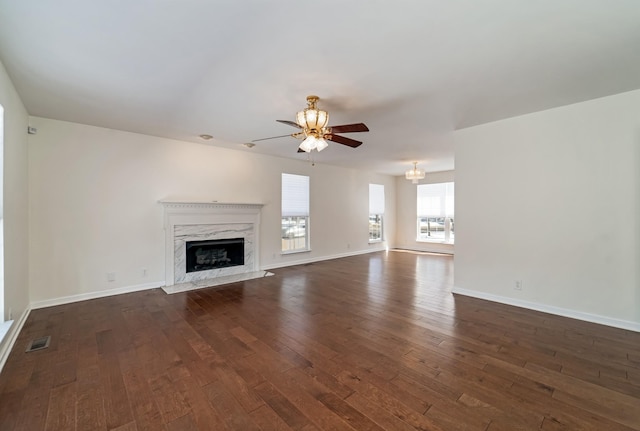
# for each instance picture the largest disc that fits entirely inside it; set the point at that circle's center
(214, 254)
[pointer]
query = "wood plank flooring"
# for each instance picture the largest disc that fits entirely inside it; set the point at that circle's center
(370, 342)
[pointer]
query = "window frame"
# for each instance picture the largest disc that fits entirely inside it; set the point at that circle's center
(444, 215)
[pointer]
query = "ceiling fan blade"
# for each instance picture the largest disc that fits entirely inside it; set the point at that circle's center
(344, 141)
(273, 137)
(350, 128)
(291, 123)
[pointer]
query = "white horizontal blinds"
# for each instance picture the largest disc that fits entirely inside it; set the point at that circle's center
(376, 199)
(295, 195)
(449, 200)
(436, 200)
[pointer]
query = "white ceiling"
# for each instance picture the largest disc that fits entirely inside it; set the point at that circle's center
(413, 71)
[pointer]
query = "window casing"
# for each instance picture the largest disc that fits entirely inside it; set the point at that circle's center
(435, 206)
(295, 213)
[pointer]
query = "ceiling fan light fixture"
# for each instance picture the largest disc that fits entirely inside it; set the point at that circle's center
(321, 145)
(312, 118)
(312, 126)
(415, 174)
(309, 144)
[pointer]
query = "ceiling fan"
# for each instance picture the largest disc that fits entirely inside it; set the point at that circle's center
(314, 129)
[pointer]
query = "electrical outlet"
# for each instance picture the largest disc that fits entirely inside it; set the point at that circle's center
(518, 285)
(348, 245)
(144, 272)
(111, 276)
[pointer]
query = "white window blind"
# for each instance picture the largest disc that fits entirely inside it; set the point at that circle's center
(376, 199)
(436, 200)
(295, 195)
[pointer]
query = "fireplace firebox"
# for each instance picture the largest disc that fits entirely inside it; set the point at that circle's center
(213, 254)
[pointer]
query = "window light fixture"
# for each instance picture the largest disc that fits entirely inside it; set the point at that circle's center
(414, 174)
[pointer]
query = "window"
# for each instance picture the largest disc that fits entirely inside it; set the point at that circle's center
(295, 213)
(1, 221)
(376, 211)
(436, 212)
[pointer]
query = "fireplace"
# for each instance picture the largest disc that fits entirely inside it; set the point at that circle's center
(208, 240)
(212, 254)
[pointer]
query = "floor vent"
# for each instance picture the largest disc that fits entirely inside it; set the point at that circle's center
(38, 344)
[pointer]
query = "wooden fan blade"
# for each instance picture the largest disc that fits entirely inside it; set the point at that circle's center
(273, 137)
(291, 123)
(349, 128)
(344, 141)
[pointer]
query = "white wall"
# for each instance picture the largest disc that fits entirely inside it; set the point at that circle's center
(94, 204)
(406, 195)
(15, 200)
(552, 199)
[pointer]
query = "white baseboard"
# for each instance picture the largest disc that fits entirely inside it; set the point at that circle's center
(429, 247)
(6, 344)
(128, 289)
(320, 258)
(574, 314)
(93, 295)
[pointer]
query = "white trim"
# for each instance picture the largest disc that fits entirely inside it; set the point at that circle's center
(4, 328)
(435, 241)
(93, 295)
(296, 251)
(429, 247)
(574, 314)
(319, 259)
(202, 205)
(12, 335)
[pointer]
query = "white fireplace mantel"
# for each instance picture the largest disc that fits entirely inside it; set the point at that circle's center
(198, 218)
(200, 205)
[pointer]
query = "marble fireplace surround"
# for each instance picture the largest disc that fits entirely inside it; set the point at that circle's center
(198, 221)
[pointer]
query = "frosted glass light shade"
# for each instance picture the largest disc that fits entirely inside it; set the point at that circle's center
(312, 119)
(321, 144)
(310, 143)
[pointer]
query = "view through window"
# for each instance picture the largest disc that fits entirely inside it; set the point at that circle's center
(376, 212)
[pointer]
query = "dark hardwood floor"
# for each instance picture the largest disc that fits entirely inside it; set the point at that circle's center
(371, 342)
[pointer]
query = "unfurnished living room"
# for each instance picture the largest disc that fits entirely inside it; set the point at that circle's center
(337, 215)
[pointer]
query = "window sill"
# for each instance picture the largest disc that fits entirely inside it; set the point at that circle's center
(376, 241)
(4, 329)
(435, 241)
(284, 253)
